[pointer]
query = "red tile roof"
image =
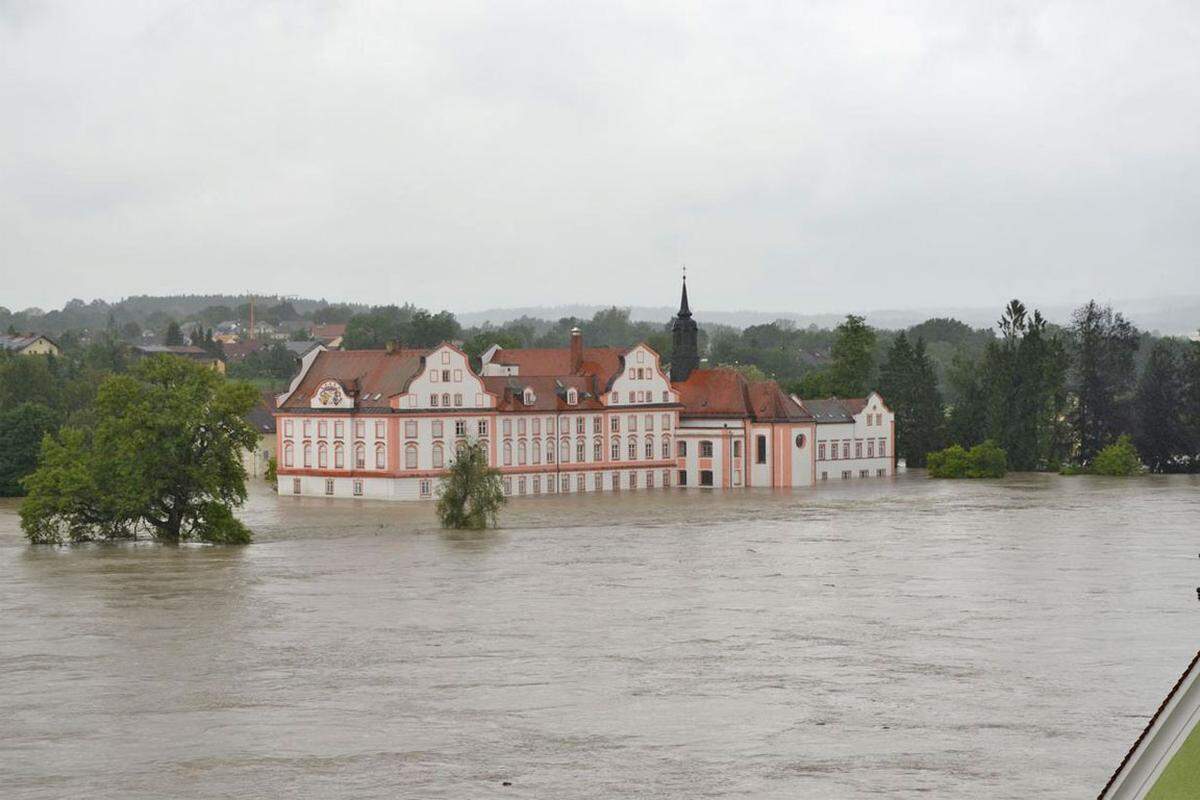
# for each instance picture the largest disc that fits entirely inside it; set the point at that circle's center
(603, 362)
(550, 393)
(328, 331)
(723, 392)
(237, 351)
(363, 374)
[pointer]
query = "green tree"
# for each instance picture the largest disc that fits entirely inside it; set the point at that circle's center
(984, 460)
(1104, 343)
(22, 429)
(174, 335)
(1161, 437)
(471, 494)
(1191, 403)
(908, 384)
(853, 358)
(163, 454)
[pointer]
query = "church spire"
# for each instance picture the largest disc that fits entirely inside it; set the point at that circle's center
(685, 351)
(684, 311)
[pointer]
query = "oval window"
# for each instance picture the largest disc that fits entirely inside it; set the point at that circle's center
(800, 440)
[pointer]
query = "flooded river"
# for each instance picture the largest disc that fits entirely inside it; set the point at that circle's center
(912, 638)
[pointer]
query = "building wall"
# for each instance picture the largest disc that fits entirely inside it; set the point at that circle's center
(40, 347)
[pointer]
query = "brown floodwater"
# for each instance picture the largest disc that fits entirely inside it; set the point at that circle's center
(907, 638)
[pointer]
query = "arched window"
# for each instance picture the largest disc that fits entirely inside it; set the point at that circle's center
(439, 455)
(632, 449)
(380, 457)
(307, 454)
(572, 397)
(649, 448)
(616, 448)
(507, 453)
(597, 449)
(287, 454)
(521, 452)
(487, 451)
(666, 447)
(322, 455)
(339, 456)
(360, 456)
(564, 450)
(549, 451)
(537, 451)
(410, 456)
(446, 400)
(528, 397)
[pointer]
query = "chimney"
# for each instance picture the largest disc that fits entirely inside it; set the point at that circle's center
(576, 350)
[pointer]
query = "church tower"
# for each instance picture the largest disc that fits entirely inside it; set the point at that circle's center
(685, 351)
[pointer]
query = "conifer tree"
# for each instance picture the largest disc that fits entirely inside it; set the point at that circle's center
(1161, 438)
(1104, 344)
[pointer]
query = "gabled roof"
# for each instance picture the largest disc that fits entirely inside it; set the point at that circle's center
(602, 362)
(827, 409)
(237, 351)
(19, 343)
(262, 416)
(183, 350)
(723, 392)
(362, 373)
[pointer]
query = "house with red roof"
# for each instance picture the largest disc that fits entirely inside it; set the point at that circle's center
(387, 423)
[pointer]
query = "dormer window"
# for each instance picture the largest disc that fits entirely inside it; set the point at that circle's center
(572, 397)
(529, 397)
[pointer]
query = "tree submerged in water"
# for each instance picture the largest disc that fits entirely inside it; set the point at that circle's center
(471, 494)
(162, 454)
(985, 460)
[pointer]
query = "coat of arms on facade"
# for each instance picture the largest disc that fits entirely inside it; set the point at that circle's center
(330, 394)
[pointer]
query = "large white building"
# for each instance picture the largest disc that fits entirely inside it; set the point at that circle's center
(386, 423)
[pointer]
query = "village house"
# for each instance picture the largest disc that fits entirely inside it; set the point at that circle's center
(387, 423)
(190, 352)
(30, 344)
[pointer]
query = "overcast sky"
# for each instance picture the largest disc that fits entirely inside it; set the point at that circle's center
(804, 157)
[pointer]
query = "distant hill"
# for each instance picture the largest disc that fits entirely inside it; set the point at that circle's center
(1178, 316)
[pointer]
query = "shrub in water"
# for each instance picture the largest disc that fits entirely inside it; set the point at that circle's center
(987, 460)
(1119, 459)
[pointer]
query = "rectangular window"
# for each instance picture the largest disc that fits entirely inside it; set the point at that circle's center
(833, 448)
(549, 424)
(580, 450)
(521, 427)
(482, 427)
(521, 485)
(287, 427)
(460, 427)
(616, 480)
(882, 473)
(666, 476)
(666, 397)
(339, 429)
(598, 481)
(329, 486)
(845, 474)
(358, 487)
(438, 429)
(410, 457)
(360, 428)
(649, 449)
(615, 453)
(322, 429)
(683, 449)
(858, 448)
(537, 426)
(597, 425)
(633, 480)
(682, 477)
(379, 429)
(883, 448)
(458, 376)
(706, 449)
(820, 451)
(458, 399)
(649, 480)
(307, 428)
(597, 451)
(508, 485)
(580, 483)
(633, 422)
(426, 487)
(433, 401)
(666, 448)
(537, 484)
(564, 483)
(506, 427)
(614, 424)
(632, 450)
(845, 448)
(824, 475)
(435, 376)
(295, 486)
(863, 473)
(616, 396)
(649, 422)
(761, 454)
(666, 422)
(737, 448)
(410, 429)
(380, 458)
(870, 448)
(445, 376)
(706, 477)
(580, 425)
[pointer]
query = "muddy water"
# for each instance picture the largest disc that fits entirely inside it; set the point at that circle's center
(909, 639)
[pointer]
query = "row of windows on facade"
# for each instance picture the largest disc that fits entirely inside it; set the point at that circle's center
(862, 473)
(534, 425)
(874, 419)
(339, 455)
(339, 429)
(532, 452)
(533, 484)
(836, 452)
